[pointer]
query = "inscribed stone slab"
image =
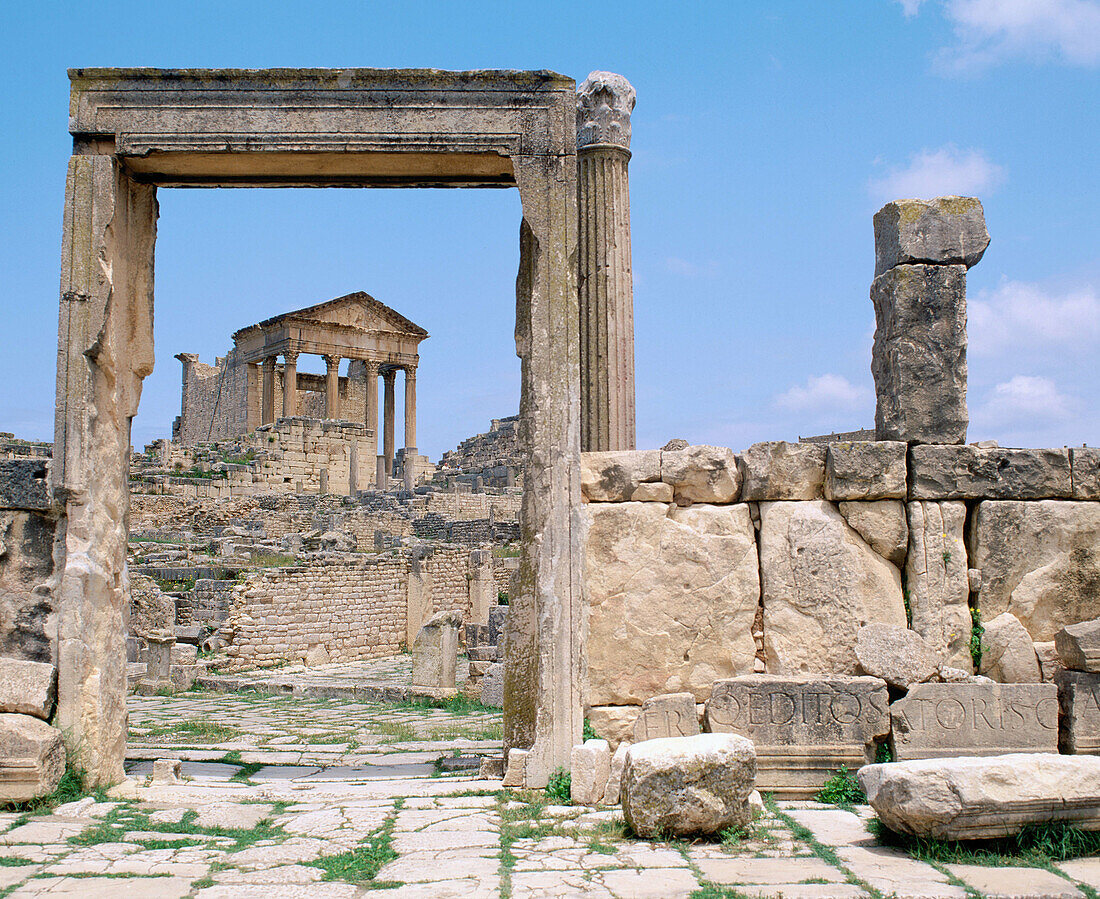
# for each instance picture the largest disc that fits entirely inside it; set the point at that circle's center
(667, 715)
(1079, 704)
(804, 728)
(944, 720)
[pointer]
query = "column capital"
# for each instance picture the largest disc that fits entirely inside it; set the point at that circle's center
(269, 361)
(604, 103)
(410, 372)
(331, 359)
(371, 366)
(290, 358)
(389, 374)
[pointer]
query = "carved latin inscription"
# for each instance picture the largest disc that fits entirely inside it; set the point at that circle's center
(667, 715)
(940, 720)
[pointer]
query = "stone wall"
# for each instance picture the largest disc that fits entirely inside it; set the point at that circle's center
(492, 458)
(704, 564)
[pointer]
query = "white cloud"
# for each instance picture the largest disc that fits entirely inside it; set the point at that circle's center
(828, 392)
(910, 7)
(936, 173)
(992, 31)
(1017, 315)
(1024, 401)
(687, 269)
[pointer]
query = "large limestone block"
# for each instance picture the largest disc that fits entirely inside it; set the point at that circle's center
(938, 582)
(1085, 472)
(778, 470)
(701, 474)
(984, 798)
(1039, 560)
(882, 523)
(898, 655)
(946, 230)
(612, 795)
(614, 723)
(865, 470)
(589, 768)
(803, 728)
(821, 583)
(943, 720)
(612, 477)
(688, 785)
(672, 596)
(32, 758)
(919, 355)
(1079, 712)
(492, 686)
(435, 651)
(975, 472)
(667, 715)
(23, 484)
(27, 688)
(1078, 645)
(1008, 655)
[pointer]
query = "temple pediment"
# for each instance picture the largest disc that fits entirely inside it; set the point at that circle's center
(358, 311)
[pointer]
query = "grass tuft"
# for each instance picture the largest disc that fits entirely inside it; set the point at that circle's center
(559, 786)
(842, 789)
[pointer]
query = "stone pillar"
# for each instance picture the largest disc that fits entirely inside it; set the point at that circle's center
(605, 281)
(267, 416)
(371, 376)
(410, 429)
(922, 251)
(388, 377)
(188, 360)
(290, 384)
(332, 386)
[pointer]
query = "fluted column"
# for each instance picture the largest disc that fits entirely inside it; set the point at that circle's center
(290, 384)
(388, 377)
(410, 427)
(605, 280)
(370, 377)
(267, 414)
(332, 386)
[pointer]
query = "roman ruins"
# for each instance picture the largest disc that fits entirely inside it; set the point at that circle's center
(758, 618)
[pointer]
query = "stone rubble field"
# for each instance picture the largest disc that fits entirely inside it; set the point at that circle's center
(300, 797)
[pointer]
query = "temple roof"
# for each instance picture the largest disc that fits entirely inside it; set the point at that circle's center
(358, 310)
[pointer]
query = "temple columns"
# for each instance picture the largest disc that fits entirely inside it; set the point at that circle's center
(606, 289)
(332, 386)
(290, 384)
(267, 414)
(410, 427)
(388, 377)
(371, 383)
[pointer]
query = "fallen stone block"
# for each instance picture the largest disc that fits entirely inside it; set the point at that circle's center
(1079, 712)
(865, 470)
(1008, 654)
(701, 474)
(492, 686)
(943, 720)
(32, 758)
(589, 769)
(166, 770)
(944, 231)
(613, 794)
(614, 723)
(803, 728)
(491, 769)
(1078, 645)
(435, 651)
(667, 715)
(688, 785)
(896, 654)
(779, 470)
(27, 688)
(515, 768)
(1049, 662)
(612, 477)
(974, 472)
(984, 798)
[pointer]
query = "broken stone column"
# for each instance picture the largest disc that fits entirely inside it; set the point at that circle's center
(922, 251)
(604, 104)
(435, 651)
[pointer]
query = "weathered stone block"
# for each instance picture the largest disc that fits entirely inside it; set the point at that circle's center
(1008, 655)
(166, 771)
(27, 688)
(1084, 464)
(865, 470)
(435, 651)
(946, 230)
(803, 728)
(613, 794)
(940, 720)
(614, 723)
(1078, 645)
(1079, 712)
(895, 654)
(612, 477)
(1039, 560)
(32, 758)
(652, 493)
(667, 715)
(492, 686)
(974, 472)
(938, 580)
(984, 798)
(1049, 663)
(23, 485)
(589, 768)
(672, 595)
(919, 355)
(821, 582)
(26, 607)
(702, 474)
(782, 471)
(882, 524)
(515, 768)
(688, 785)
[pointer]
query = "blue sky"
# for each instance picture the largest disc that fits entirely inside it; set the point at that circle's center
(765, 137)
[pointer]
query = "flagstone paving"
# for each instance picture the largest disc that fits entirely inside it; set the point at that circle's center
(334, 799)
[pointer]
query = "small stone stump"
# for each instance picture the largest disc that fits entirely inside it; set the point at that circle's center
(158, 667)
(32, 758)
(435, 651)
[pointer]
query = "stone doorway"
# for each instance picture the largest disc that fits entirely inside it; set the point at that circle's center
(136, 130)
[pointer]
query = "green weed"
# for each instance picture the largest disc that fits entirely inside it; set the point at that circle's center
(559, 786)
(842, 789)
(361, 864)
(976, 633)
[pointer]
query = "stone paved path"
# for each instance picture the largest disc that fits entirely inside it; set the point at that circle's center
(342, 800)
